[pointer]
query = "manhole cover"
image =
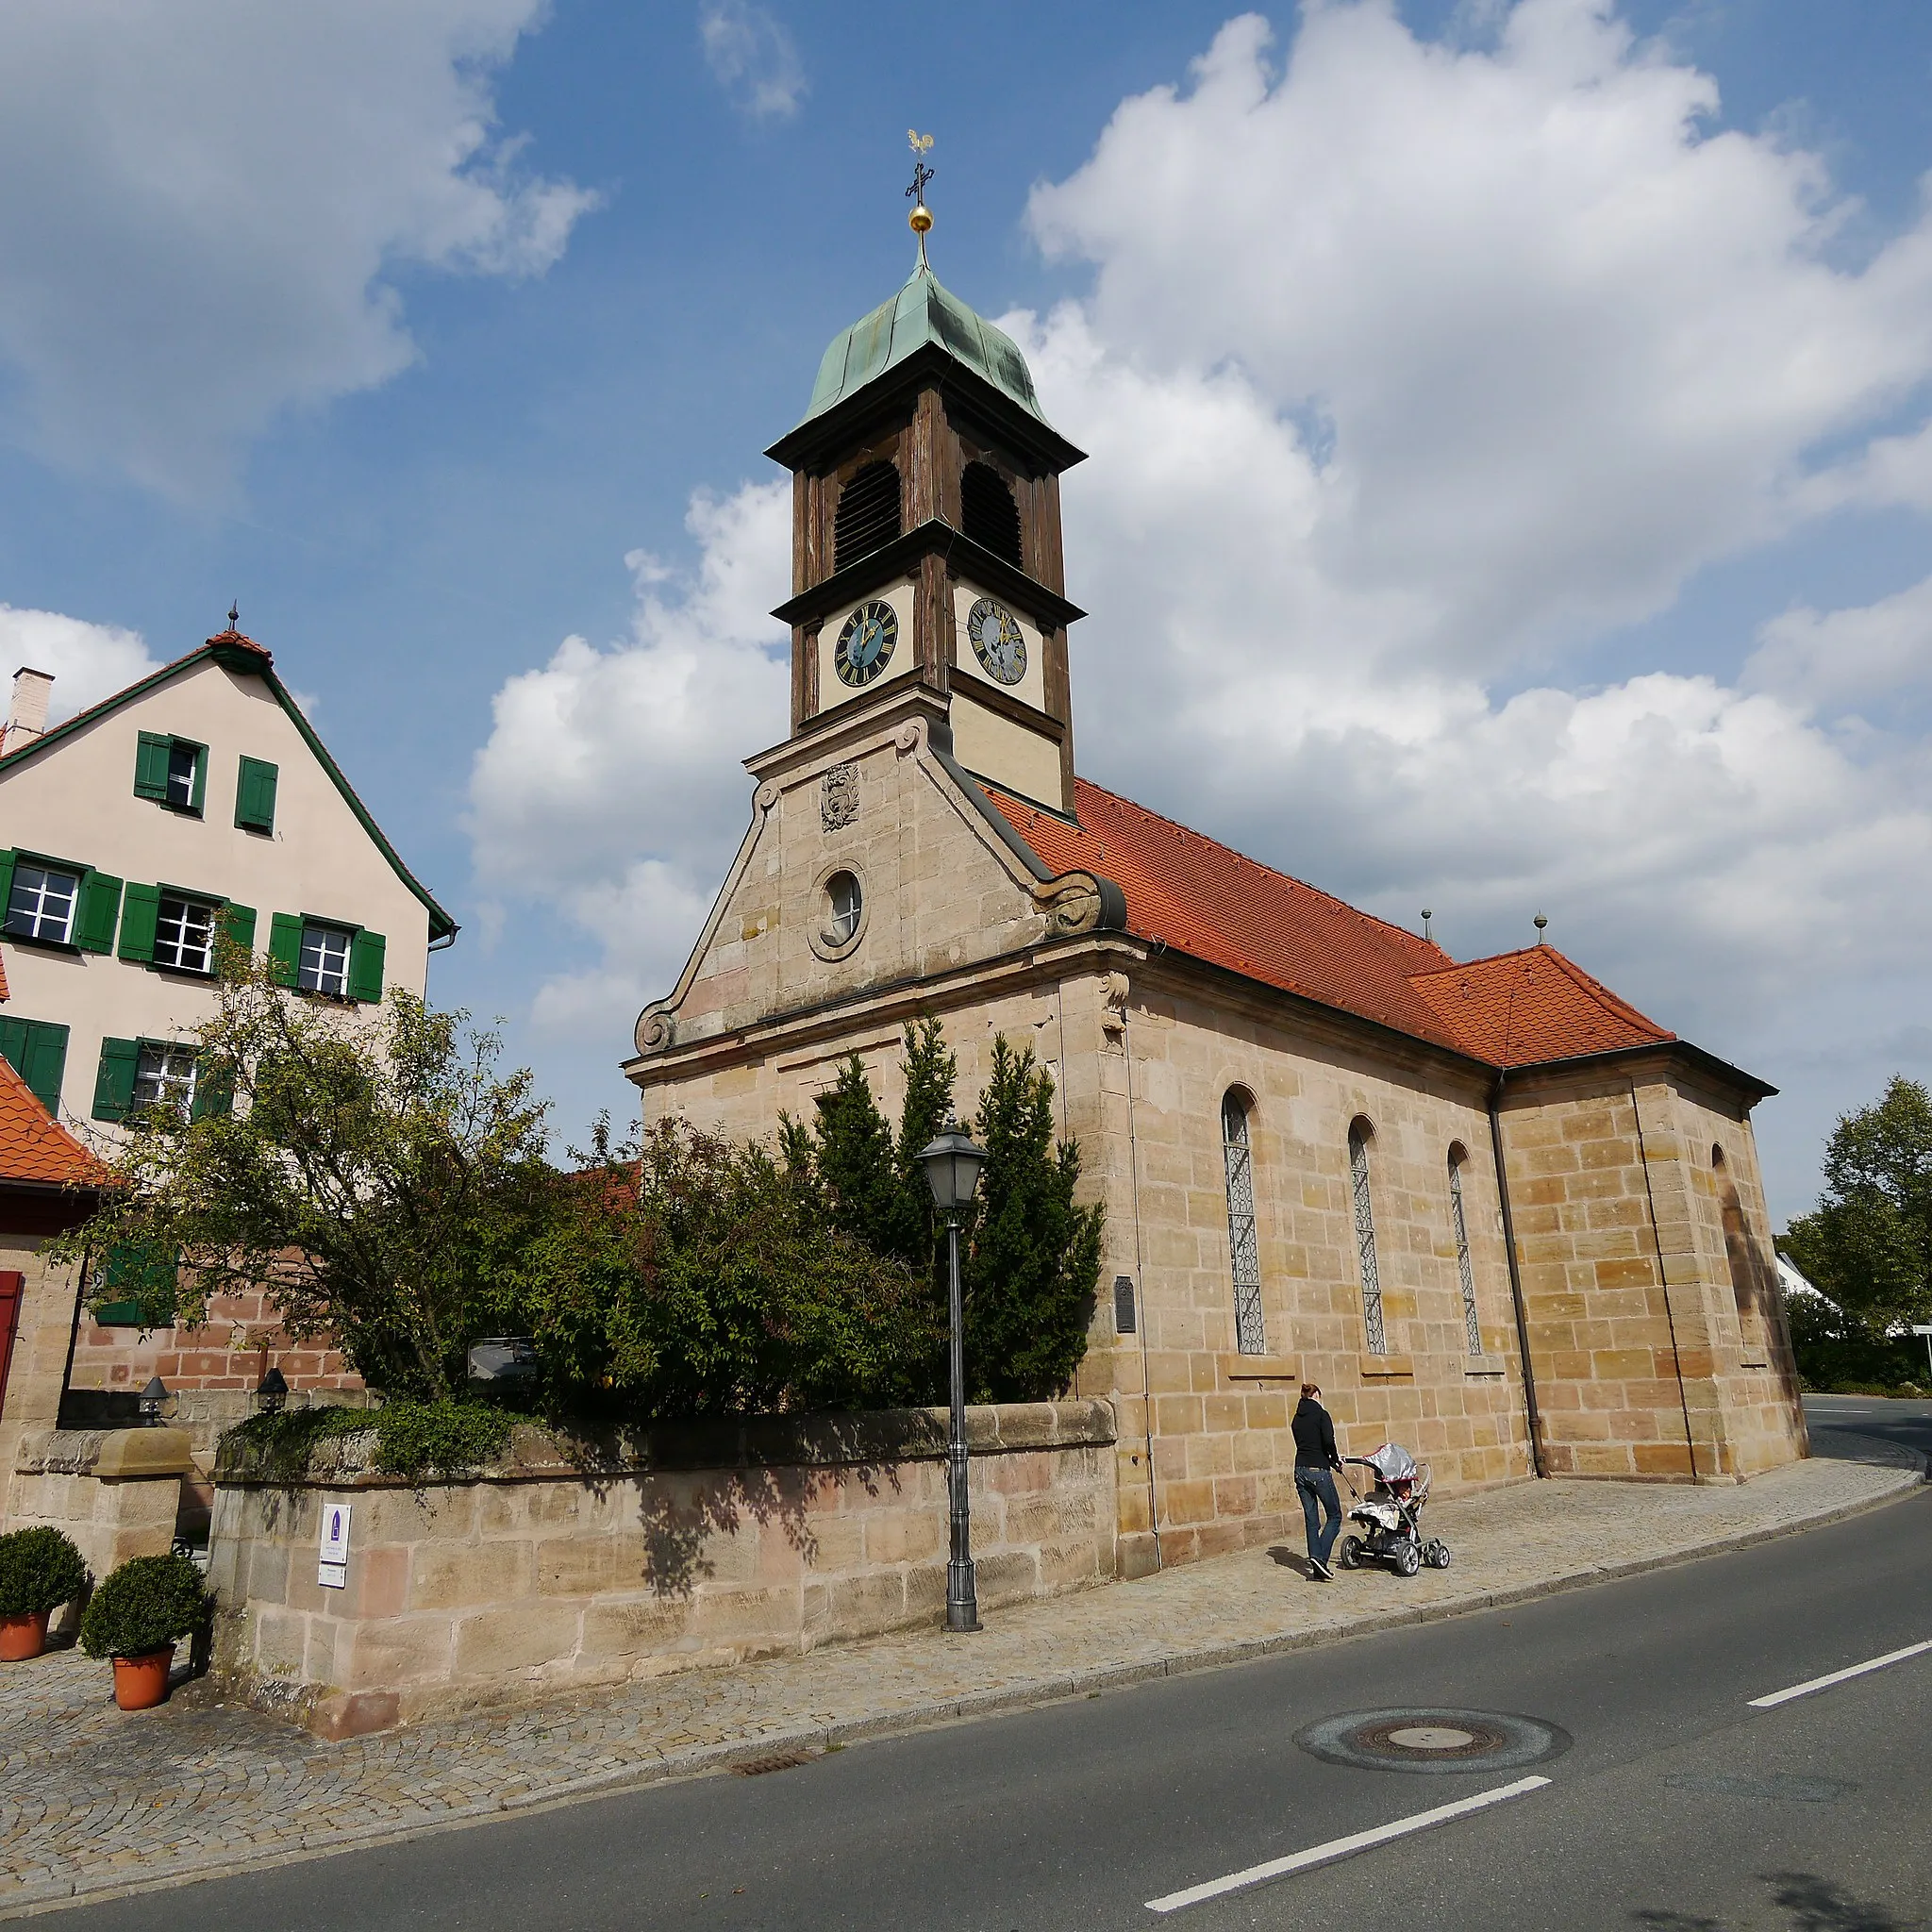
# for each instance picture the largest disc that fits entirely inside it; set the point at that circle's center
(1433, 1741)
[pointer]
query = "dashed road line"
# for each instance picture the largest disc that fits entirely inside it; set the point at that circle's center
(1824, 1683)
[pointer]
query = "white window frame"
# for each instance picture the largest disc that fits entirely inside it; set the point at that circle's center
(37, 927)
(158, 1076)
(311, 979)
(184, 802)
(189, 948)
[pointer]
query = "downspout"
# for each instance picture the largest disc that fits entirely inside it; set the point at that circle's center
(1140, 1278)
(1535, 1420)
(1657, 1240)
(72, 1332)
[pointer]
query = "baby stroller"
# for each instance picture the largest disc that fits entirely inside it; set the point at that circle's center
(1391, 1515)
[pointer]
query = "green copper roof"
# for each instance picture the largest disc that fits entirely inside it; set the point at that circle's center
(920, 313)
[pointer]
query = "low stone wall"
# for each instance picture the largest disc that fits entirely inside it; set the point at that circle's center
(117, 1493)
(583, 1560)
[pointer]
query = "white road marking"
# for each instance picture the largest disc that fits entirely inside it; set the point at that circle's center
(1341, 1847)
(1806, 1689)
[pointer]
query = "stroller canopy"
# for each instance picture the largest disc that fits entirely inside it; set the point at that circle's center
(1392, 1462)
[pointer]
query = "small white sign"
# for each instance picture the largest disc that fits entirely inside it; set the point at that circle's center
(1922, 1328)
(332, 1566)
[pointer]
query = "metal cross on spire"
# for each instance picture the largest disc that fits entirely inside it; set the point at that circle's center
(920, 220)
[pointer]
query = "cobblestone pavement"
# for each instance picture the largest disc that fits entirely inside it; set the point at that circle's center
(93, 1800)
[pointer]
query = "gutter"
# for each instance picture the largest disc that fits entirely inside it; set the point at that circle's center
(1536, 1425)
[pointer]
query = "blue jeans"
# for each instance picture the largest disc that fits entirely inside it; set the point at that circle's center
(1317, 1487)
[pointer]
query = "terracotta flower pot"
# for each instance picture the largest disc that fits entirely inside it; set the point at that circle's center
(141, 1682)
(23, 1637)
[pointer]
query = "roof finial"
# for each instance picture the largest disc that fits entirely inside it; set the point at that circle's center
(234, 612)
(1539, 922)
(920, 220)
(1427, 915)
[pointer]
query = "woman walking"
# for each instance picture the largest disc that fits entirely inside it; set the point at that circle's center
(1315, 1459)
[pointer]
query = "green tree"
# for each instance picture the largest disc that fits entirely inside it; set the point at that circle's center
(1868, 1245)
(374, 1175)
(694, 1276)
(1035, 1257)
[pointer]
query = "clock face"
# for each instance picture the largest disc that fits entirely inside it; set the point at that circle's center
(865, 645)
(998, 641)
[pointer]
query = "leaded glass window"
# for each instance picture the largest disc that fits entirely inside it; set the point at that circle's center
(1249, 1335)
(1365, 1240)
(1461, 1227)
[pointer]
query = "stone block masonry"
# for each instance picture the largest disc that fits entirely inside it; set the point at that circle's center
(574, 1562)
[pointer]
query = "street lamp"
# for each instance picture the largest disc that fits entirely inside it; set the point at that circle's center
(952, 1166)
(152, 1399)
(271, 1392)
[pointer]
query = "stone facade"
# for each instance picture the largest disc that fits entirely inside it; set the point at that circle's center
(572, 1563)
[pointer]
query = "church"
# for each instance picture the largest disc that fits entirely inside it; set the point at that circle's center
(1495, 1212)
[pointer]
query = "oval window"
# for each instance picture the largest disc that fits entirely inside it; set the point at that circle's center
(843, 904)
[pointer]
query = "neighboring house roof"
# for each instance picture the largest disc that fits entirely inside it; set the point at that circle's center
(4, 993)
(921, 313)
(1517, 1008)
(234, 652)
(1202, 898)
(34, 1149)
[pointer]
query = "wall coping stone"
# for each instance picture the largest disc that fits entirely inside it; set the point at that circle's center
(537, 1453)
(111, 1455)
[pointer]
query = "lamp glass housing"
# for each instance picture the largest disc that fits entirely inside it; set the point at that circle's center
(952, 1166)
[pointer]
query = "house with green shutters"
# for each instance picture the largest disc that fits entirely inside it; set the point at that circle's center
(196, 803)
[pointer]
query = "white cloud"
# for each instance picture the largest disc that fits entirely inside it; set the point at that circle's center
(1407, 371)
(612, 788)
(753, 58)
(87, 661)
(200, 203)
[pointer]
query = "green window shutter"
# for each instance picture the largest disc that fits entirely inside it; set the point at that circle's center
(100, 907)
(140, 907)
(255, 796)
(114, 1083)
(151, 766)
(238, 926)
(5, 882)
(46, 1063)
(199, 796)
(365, 966)
(213, 1094)
(13, 1045)
(285, 946)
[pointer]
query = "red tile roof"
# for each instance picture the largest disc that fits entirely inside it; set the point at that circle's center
(33, 1147)
(1212, 903)
(3, 994)
(1518, 1008)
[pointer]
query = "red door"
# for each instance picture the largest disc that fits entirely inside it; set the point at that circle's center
(12, 1293)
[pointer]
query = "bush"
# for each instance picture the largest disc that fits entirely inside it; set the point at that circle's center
(40, 1570)
(148, 1602)
(412, 1439)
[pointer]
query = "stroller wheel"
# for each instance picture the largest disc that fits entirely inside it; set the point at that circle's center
(1350, 1555)
(1408, 1560)
(1436, 1554)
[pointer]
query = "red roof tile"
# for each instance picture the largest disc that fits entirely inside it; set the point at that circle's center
(1518, 1008)
(3, 994)
(32, 1147)
(1208, 901)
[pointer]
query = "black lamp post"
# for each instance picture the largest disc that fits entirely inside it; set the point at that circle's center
(152, 1400)
(272, 1392)
(952, 1166)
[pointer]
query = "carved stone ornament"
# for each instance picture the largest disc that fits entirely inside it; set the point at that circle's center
(1072, 902)
(908, 737)
(766, 797)
(838, 797)
(1113, 1007)
(653, 1031)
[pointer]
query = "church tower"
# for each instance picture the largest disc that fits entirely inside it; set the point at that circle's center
(926, 539)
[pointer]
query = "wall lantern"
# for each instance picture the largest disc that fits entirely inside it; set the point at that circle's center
(154, 1398)
(272, 1392)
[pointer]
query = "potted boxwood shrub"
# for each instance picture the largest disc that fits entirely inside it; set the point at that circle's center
(40, 1570)
(135, 1618)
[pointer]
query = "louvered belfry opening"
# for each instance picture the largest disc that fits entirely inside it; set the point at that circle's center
(989, 513)
(868, 514)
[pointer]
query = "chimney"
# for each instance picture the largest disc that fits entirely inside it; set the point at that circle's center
(29, 717)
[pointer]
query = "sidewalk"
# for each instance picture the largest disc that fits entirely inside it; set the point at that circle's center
(92, 1800)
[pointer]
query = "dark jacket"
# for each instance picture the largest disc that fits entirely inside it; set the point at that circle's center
(1314, 1436)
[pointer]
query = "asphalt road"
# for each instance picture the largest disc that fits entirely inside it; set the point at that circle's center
(1678, 1806)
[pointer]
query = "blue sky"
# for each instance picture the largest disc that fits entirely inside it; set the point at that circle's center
(293, 320)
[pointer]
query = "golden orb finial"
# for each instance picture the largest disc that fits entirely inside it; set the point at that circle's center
(920, 220)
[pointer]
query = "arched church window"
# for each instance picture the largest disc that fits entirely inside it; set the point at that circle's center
(989, 513)
(1458, 1159)
(1365, 1237)
(867, 513)
(1250, 1336)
